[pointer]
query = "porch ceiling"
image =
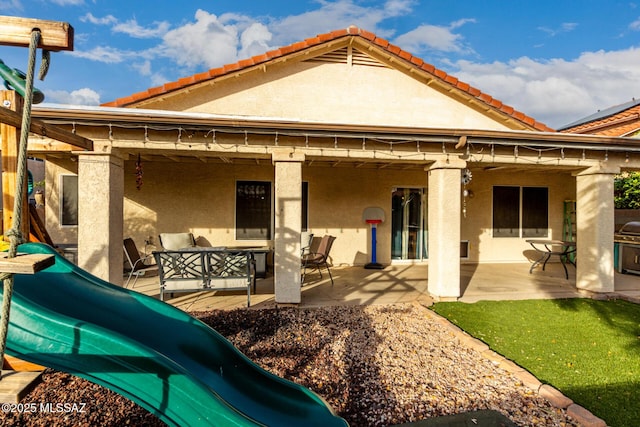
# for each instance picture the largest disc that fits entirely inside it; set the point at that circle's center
(251, 160)
(205, 138)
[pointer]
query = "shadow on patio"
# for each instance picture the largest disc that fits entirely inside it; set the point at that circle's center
(400, 284)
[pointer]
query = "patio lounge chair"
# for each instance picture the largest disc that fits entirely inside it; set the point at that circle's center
(138, 266)
(319, 258)
(176, 241)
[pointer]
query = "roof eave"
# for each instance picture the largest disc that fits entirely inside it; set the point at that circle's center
(102, 115)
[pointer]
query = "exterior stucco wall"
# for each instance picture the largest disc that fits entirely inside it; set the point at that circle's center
(476, 227)
(333, 93)
(54, 169)
(200, 198)
(178, 197)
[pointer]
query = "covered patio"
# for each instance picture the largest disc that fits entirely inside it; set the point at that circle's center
(456, 172)
(403, 284)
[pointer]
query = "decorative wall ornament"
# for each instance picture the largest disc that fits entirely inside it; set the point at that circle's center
(139, 173)
(466, 176)
(465, 179)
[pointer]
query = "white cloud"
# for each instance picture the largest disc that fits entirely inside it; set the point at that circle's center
(68, 2)
(207, 41)
(565, 27)
(254, 40)
(434, 38)
(635, 25)
(213, 40)
(133, 29)
(144, 68)
(558, 91)
(10, 4)
(210, 40)
(106, 54)
(335, 15)
(107, 20)
(399, 7)
(158, 79)
(83, 96)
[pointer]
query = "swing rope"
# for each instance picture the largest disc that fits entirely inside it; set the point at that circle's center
(15, 233)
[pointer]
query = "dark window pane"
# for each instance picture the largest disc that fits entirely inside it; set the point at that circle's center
(69, 200)
(253, 210)
(506, 211)
(535, 212)
(305, 206)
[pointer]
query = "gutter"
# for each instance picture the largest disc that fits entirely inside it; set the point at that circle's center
(96, 116)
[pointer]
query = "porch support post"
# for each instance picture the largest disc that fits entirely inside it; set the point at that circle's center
(100, 215)
(288, 225)
(595, 226)
(444, 228)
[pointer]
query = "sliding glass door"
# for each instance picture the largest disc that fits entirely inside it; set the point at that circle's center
(408, 224)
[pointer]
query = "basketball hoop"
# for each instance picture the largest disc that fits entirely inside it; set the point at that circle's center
(373, 216)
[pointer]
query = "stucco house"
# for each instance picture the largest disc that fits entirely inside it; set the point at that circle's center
(305, 138)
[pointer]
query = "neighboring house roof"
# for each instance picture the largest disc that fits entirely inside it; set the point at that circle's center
(394, 53)
(619, 120)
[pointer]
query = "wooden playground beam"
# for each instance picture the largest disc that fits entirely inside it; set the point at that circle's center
(16, 31)
(54, 36)
(10, 146)
(14, 118)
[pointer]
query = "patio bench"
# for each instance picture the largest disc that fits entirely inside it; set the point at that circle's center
(205, 269)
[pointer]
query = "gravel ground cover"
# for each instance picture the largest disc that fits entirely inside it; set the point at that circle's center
(375, 365)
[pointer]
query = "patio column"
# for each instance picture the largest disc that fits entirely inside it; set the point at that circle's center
(444, 228)
(100, 215)
(595, 227)
(288, 225)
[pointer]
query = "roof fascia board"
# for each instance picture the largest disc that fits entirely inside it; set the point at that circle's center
(95, 116)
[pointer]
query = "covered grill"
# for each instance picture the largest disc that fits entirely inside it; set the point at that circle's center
(628, 242)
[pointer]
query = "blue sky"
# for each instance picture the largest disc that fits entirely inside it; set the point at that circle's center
(556, 61)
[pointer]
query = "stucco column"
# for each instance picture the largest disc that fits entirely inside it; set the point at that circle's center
(288, 225)
(444, 228)
(100, 215)
(595, 227)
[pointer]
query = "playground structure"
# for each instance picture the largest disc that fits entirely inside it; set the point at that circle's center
(167, 361)
(64, 318)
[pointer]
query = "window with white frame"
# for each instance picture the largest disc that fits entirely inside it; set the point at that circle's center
(69, 200)
(520, 211)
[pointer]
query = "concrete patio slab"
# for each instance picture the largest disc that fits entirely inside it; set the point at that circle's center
(404, 283)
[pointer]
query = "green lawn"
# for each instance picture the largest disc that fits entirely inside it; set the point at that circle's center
(589, 350)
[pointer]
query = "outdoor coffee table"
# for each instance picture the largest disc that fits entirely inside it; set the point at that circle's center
(553, 247)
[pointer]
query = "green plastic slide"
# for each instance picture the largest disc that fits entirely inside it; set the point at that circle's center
(160, 357)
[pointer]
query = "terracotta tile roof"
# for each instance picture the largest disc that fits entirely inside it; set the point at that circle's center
(619, 120)
(318, 40)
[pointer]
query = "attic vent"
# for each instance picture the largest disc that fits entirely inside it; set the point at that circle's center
(341, 56)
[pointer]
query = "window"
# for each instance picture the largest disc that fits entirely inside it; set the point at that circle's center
(520, 211)
(253, 210)
(69, 205)
(305, 206)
